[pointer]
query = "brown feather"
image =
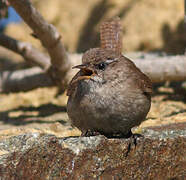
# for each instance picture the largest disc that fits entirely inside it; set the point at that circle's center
(111, 35)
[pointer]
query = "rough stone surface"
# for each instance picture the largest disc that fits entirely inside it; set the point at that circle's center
(160, 154)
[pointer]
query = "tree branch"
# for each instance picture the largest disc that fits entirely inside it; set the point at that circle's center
(26, 50)
(159, 69)
(167, 68)
(49, 37)
(23, 80)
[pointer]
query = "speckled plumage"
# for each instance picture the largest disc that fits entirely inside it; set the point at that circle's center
(109, 94)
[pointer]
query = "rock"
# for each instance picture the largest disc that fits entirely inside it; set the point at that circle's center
(160, 154)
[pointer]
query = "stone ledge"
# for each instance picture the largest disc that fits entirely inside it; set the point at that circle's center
(160, 154)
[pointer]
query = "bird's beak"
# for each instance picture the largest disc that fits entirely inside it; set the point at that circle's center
(86, 72)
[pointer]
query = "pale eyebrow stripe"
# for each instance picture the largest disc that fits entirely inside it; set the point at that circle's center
(111, 60)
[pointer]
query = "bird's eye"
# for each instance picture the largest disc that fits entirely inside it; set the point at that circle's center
(101, 66)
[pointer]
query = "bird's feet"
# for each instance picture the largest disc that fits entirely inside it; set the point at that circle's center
(133, 140)
(88, 133)
(132, 137)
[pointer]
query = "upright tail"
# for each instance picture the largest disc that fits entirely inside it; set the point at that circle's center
(111, 35)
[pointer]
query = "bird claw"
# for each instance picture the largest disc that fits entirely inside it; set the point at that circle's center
(132, 137)
(88, 133)
(133, 140)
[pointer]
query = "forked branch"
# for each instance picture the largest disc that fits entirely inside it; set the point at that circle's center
(49, 37)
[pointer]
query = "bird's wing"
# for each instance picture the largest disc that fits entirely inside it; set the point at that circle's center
(140, 79)
(72, 84)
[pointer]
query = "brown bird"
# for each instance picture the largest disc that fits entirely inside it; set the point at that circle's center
(109, 95)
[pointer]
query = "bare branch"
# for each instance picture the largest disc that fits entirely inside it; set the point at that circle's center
(159, 69)
(167, 68)
(49, 37)
(26, 50)
(23, 80)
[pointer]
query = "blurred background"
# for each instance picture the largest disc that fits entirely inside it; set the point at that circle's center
(148, 26)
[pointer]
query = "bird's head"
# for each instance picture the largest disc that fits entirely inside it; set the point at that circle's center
(95, 62)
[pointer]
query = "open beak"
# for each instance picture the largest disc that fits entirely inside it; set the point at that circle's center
(86, 72)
